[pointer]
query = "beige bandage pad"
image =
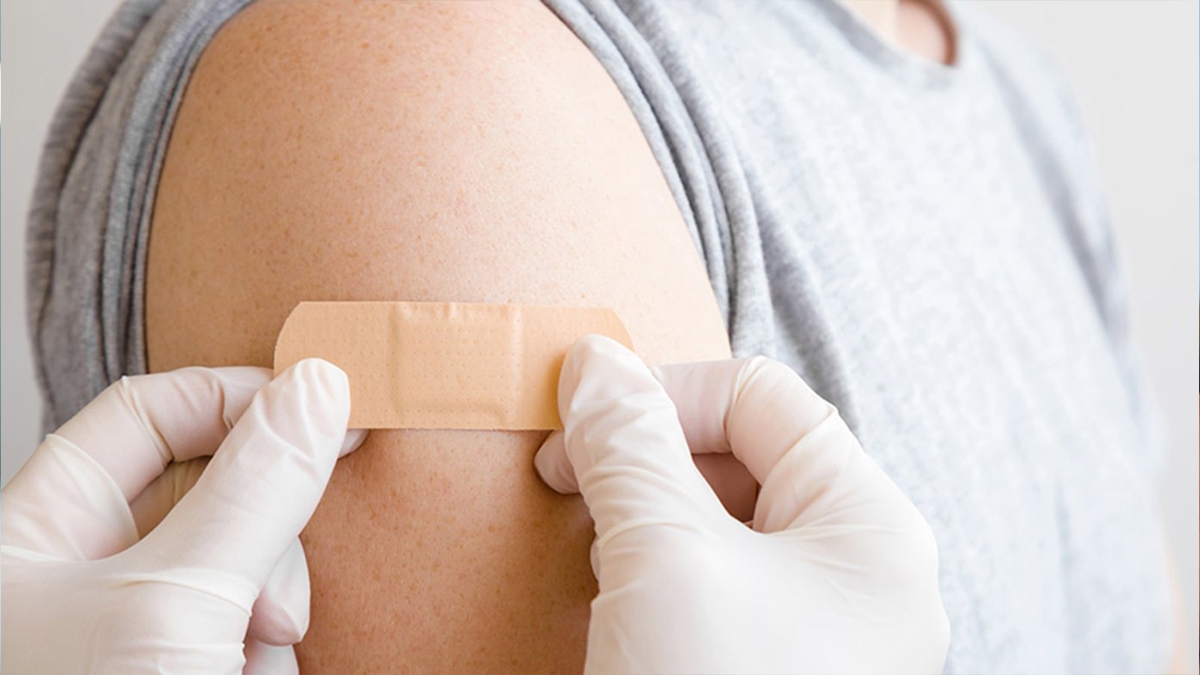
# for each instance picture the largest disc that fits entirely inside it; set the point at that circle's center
(444, 365)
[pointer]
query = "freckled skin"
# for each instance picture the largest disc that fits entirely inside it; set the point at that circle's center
(449, 151)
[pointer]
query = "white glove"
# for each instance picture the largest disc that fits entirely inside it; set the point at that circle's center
(838, 572)
(93, 582)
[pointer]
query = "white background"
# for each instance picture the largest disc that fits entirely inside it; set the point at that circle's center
(1134, 65)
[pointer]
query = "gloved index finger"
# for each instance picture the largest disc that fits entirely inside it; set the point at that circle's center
(755, 408)
(138, 425)
(623, 443)
(264, 482)
(702, 394)
(794, 443)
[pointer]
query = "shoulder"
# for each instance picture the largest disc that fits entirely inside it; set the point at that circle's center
(440, 61)
(422, 35)
(423, 151)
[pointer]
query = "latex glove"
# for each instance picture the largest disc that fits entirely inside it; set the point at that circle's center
(838, 572)
(83, 592)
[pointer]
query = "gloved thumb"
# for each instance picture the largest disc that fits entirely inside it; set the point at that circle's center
(622, 443)
(261, 486)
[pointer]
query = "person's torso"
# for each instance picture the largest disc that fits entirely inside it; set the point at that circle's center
(925, 260)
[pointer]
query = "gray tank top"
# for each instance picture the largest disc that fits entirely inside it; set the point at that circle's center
(928, 245)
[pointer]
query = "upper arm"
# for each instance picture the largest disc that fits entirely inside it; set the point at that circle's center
(402, 151)
(396, 151)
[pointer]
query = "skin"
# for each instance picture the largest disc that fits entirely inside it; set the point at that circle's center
(916, 26)
(452, 152)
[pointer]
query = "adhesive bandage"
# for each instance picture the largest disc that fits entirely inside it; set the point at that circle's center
(444, 365)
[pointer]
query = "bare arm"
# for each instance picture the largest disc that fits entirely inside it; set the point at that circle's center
(454, 151)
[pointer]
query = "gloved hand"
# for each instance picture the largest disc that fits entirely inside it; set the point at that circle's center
(93, 582)
(837, 573)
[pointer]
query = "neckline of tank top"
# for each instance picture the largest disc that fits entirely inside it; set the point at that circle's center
(901, 65)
